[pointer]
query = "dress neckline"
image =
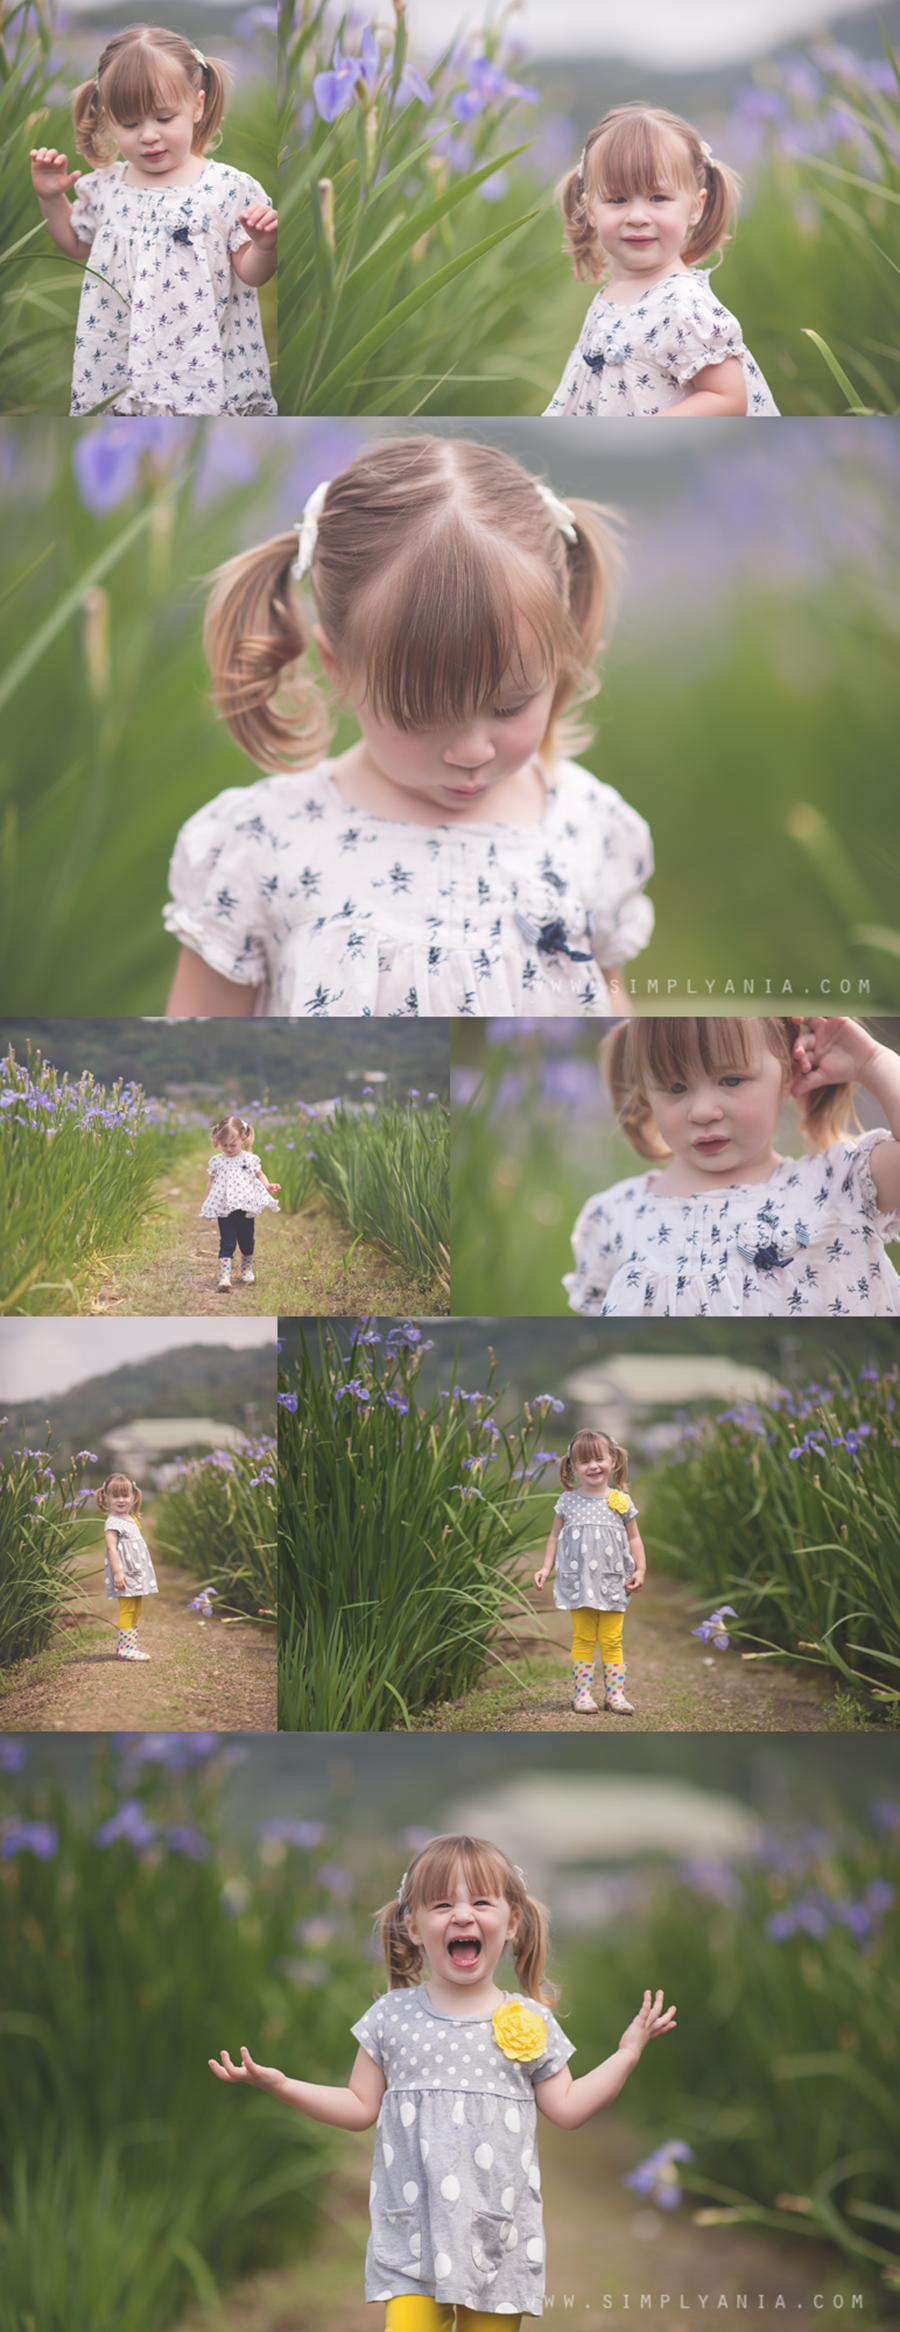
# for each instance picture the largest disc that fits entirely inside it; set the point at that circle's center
(473, 826)
(669, 1197)
(182, 190)
(626, 307)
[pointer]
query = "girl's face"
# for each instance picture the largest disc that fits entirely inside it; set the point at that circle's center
(455, 769)
(644, 234)
(159, 145)
(231, 1142)
(464, 1934)
(719, 1123)
(121, 1501)
(593, 1472)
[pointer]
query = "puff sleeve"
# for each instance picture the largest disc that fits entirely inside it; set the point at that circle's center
(83, 216)
(217, 878)
(698, 331)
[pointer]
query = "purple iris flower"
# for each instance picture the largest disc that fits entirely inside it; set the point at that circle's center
(487, 85)
(129, 1823)
(37, 1838)
(658, 2177)
(334, 91)
(713, 1630)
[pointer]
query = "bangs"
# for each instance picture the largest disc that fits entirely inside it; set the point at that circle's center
(434, 639)
(485, 1869)
(665, 1049)
(140, 80)
(118, 1482)
(591, 1445)
(638, 156)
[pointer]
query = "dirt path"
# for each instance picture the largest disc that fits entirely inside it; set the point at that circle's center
(304, 1263)
(605, 2252)
(197, 1678)
(674, 1684)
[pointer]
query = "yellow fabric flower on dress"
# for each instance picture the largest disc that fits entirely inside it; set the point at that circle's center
(618, 1500)
(519, 2032)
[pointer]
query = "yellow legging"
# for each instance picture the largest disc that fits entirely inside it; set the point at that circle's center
(130, 1608)
(416, 2312)
(590, 1628)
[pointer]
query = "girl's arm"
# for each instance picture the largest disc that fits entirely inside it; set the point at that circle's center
(199, 991)
(261, 1177)
(51, 179)
(257, 260)
(568, 2103)
(636, 1545)
(719, 388)
(353, 2108)
(541, 1577)
(120, 1582)
(841, 1052)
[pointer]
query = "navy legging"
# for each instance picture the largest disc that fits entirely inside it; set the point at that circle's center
(235, 1230)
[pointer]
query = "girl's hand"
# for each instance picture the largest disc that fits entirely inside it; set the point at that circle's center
(261, 223)
(274, 1186)
(255, 2076)
(647, 2025)
(48, 173)
(541, 1577)
(120, 1585)
(636, 1580)
(830, 1052)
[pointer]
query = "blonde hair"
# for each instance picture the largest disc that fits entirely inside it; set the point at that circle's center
(117, 1482)
(486, 1868)
(233, 1125)
(437, 567)
(138, 67)
(631, 151)
(588, 1444)
(642, 1053)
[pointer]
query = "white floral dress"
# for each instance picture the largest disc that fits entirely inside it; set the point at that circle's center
(456, 2190)
(810, 1240)
(134, 1556)
(235, 1187)
(640, 359)
(593, 1557)
(331, 911)
(171, 328)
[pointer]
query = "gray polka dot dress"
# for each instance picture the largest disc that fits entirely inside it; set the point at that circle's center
(235, 1187)
(456, 2193)
(809, 1241)
(641, 358)
(134, 1556)
(170, 328)
(593, 1557)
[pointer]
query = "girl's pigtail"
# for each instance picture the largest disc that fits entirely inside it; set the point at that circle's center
(723, 194)
(567, 1472)
(593, 562)
(214, 78)
(579, 240)
(93, 136)
(100, 1496)
(137, 1500)
(633, 1113)
(529, 1948)
(403, 1959)
(254, 637)
(620, 1462)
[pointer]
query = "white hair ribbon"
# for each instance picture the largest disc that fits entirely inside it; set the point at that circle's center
(308, 531)
(201, 60)
(564, 517)
(706, 150)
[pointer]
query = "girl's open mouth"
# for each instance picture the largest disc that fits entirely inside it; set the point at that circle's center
(465, 1951)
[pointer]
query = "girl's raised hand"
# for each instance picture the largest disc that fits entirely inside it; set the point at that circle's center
(50, 174)
(650, 2021)
(261, 223)
(829, 1052)
(256, 2076)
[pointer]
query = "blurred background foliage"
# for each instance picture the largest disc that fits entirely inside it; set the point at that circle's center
(44, 54)
(749, 706)
(169, 1894)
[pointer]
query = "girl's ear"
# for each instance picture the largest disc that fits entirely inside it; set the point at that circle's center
(696, 215)
(328, 658)
(513, 1928)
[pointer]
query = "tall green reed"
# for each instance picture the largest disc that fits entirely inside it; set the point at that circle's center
(789, 1510)
(218, 1521)
(781, 2077)
(41, 1535)
(381, 249)
(77, 1170)
(400, 1530)
(388, 1178)
(135, 1944)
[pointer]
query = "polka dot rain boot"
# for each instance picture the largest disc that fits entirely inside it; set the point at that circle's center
(248, 1274)
(582, 1697)
(126, 1648)
(614, 1695)
(224, 1284)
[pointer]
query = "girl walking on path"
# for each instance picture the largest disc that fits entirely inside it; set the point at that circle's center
(129, 1571)
(599, 1560)
(236, 1191)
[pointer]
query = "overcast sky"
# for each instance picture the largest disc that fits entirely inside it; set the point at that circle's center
(678, 38)
(42, 1357)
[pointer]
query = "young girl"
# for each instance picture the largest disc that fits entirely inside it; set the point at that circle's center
(129, 1571)
(729, 1227)
(449, 862)
(176, 245)
(596, 1547)
(646, 204)
(452, 2069)
(236, 1190)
